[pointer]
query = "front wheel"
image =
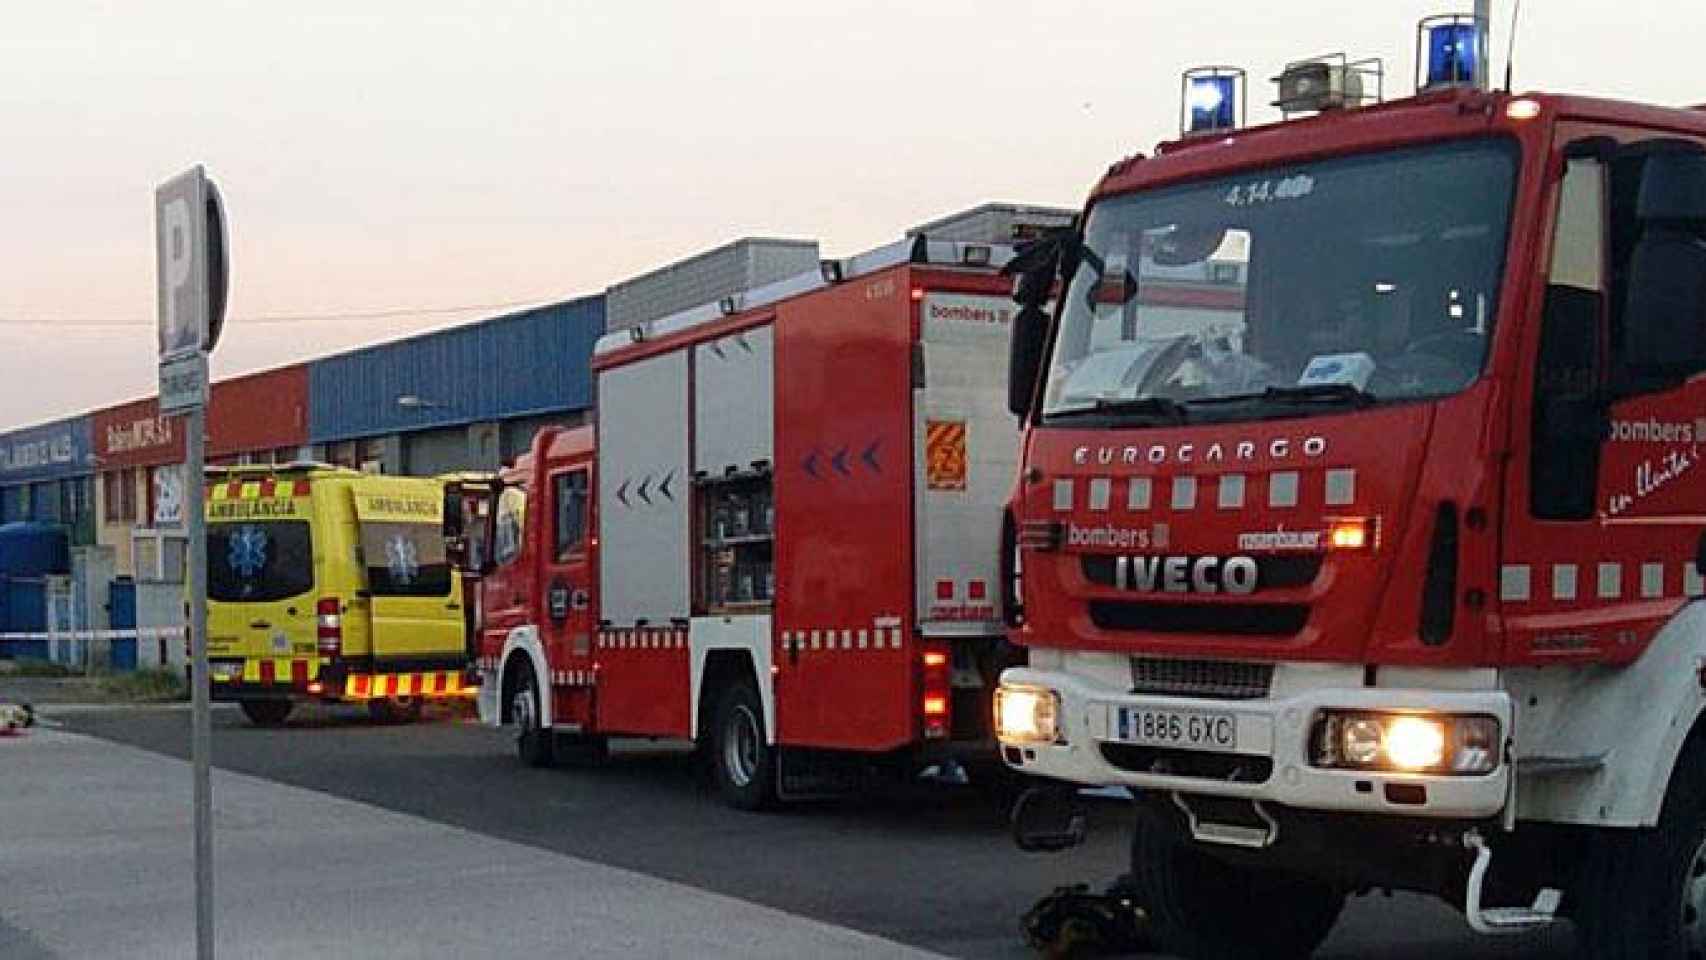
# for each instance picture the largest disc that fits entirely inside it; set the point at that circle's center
(266, 713)
(742, 763)
(1190, 897)
(1643, 892)
(532, 740)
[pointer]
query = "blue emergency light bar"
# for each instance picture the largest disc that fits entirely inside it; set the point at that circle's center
(1453, 45)
(1213, 100)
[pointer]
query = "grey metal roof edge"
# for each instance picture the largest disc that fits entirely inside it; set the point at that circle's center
(945, 253)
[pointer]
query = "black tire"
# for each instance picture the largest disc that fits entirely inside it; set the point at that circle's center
(267, 713)
(395, 709)
(1204, 909)
(1642, 893)
(532, 741)
(743, 765)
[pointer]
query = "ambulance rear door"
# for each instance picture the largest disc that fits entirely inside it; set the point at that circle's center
(413, 591)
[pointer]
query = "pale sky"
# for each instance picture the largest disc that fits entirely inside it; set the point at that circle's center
(432, 154)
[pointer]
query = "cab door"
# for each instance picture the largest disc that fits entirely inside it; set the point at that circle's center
(566, 581)
(414, 595)
(1602, 525)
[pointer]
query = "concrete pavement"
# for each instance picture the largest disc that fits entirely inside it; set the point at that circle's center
(95, 861)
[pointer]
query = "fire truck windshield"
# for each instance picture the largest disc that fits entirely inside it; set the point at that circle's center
(1360, 279)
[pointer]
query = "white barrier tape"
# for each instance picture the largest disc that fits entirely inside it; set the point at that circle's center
(142, 633)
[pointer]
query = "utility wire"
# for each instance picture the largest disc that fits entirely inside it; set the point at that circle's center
(385, 313)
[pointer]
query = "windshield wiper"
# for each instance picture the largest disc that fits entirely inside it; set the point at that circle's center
(1324, 393)
(1163, 408)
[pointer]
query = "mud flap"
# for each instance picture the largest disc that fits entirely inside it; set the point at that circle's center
(1072, 922)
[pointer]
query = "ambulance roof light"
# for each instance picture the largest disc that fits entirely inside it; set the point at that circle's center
(1212, 100)
(1451, 51)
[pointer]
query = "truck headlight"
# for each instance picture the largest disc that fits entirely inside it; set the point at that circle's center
(1406, 742)
(1025, 714)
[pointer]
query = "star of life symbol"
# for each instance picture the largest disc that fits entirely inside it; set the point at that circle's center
(403, 559)
(247, 551)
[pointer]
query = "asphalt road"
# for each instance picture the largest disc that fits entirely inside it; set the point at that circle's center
(927, 865)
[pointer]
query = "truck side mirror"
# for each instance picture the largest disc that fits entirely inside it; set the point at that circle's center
(452, 513)
(1025, 358)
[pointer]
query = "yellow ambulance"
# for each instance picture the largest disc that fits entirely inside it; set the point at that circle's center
(328, 584)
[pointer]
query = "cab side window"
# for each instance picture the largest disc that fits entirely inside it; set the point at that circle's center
(510, 526)
(571, 499)
(1564, 458)
(1658, 256)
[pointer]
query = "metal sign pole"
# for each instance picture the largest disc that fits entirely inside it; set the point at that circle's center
(201, 722)
(192, 278)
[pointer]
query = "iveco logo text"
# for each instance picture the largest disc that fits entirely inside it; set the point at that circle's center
(1186, 574)
(1245, 451)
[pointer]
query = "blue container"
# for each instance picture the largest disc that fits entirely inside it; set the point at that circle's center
(26, 612)
(34, 550)
(121, 611)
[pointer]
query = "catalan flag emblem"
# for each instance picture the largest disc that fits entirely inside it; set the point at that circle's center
(945, 454)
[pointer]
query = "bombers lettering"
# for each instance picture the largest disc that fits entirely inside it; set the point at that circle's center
(1236, 575)
(1238, 451)
(1118, 538)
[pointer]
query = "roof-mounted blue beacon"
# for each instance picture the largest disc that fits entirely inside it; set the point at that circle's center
(1450, 51)
(1213, 100)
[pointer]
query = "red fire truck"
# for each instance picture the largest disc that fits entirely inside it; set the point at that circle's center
(780, 539)
(1358, 527)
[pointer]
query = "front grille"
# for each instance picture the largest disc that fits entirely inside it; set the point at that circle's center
(1236, 619)
(1225, 767)
(1272, 573)
(1211, 679)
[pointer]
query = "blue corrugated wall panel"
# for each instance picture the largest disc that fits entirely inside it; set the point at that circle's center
(536, 361)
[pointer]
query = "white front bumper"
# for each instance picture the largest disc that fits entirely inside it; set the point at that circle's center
(1276, 728)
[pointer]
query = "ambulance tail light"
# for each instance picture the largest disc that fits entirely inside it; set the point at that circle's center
(937, 692)
(330, 637)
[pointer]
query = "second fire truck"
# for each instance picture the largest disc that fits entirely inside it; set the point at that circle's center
(778, 539)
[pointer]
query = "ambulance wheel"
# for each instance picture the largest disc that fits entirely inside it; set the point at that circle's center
(743, 765)
(395, 710)
(532, 740)
(1643, 892)
(1189, 896)
(266, 713)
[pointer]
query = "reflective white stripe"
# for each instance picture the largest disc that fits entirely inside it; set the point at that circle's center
(1563, 581)
(1282, 489)
(1101, 489)
(1652, 580)
(1231, 491)
(1184, 493)
(1610, 581)
(1341, 487)
(1513, 581)
(1063, 494)
(1693, 584)
(1137, 494)
(865, 635)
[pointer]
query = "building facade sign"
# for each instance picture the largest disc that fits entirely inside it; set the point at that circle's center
(51, 451)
